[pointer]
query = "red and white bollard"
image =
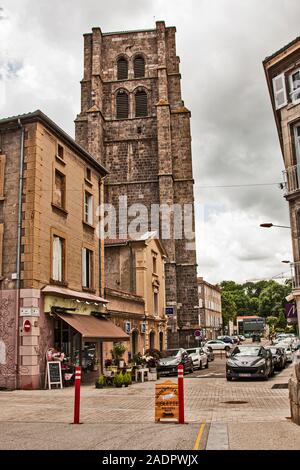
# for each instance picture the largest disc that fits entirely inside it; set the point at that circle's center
(77, 395)
(180, 371)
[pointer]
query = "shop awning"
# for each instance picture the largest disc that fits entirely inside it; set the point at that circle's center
(69, 293)
(93, 327)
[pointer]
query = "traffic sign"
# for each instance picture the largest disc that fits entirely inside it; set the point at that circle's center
(197, 333)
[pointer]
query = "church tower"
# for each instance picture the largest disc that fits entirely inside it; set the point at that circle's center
(134, 122)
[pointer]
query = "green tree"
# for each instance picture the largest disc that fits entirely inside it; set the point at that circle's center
(272, 323)
(228, 307)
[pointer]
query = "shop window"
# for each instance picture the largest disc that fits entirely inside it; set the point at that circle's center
(59, 190)
(87, 268)
(58, 259)
(88, 208)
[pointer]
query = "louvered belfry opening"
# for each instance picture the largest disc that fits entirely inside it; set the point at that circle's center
(139, 67)
(141, 104)
(122, 66)
(122, 105)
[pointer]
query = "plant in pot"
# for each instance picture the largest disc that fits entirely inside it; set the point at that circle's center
(152, 357)
(127, 379)
(117, 353)
(100, 382)
(118, 380)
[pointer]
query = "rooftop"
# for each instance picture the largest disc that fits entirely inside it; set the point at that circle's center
(47, 122)
(294, 41)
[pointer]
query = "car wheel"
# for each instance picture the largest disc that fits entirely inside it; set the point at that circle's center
(206, 365)
(229, 379)
(200, 366)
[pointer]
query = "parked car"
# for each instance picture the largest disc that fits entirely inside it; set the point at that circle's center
(242, 337)
(199, 358)
(251, 361)
(170, 360)
(226, 339)
(217, 344)
(279, 357)
(288, 350)
(209, 352)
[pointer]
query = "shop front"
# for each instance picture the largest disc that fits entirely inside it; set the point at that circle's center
(80, 327)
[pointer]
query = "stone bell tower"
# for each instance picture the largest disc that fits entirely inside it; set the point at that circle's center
(134, 121)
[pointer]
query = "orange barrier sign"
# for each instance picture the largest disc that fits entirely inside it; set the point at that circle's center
(166, 402)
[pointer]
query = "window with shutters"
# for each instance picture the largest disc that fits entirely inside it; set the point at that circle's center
(297, 142)
(58, 259)
(1, 248)
(122, 69)
(295, 86)
(141, 104)
(87, 268)
(279, 88)
(139, 67)
(122, 105)
(2, 170)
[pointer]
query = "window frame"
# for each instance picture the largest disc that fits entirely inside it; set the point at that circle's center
(291, 84)
(139, 56)
(61, 281)
(122, 91)
(283, 89)
(63, 206)
(87, 272)
(88, 211)
(137, 92)
(122, 59)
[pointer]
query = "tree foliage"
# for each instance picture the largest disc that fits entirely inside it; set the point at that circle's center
(263, 298)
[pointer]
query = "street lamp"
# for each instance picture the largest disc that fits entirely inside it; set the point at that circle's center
(269, 225)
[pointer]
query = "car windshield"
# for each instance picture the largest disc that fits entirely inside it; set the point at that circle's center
(170, 353)
(246, 351)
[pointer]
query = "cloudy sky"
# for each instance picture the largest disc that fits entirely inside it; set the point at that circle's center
(221, 44)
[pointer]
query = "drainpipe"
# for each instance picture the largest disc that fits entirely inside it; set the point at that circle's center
(19, 237)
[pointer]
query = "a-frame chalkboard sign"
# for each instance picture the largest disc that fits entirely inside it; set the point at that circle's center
(54, 376)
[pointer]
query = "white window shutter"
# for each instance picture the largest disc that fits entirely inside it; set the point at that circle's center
(90, 210)
(279, 88)
(57, 259)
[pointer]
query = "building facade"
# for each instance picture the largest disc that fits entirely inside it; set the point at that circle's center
(210, 307)
(133, 121)
(51, 258)
(282, 71)
(135, 280)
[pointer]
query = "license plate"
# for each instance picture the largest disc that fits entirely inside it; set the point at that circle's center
(244, 375)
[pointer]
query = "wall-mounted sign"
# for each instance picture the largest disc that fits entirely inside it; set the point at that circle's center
(166, 402)
(29, 312)
(27, 326)
(169, 310)
(54, 373)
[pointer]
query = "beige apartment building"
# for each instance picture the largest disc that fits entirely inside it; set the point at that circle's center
(51, 259)
(282, 71)
(135, 289)
(210, 307)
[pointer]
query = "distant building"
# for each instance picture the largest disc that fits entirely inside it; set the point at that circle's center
(249, 324)
(283, 77)
(210, 307)
(135, 289)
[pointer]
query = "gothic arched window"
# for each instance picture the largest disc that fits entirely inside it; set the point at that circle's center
(139, 67)
(141, 104)
(122, 105)
(122, 69)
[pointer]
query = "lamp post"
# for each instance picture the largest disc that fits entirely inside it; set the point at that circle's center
(269, 225)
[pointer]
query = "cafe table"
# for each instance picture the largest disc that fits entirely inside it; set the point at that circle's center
(141, 373)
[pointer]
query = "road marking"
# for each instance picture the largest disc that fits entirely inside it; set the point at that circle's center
(197, 443)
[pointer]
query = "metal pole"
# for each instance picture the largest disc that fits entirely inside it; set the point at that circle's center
(77, 395)
(180, 371)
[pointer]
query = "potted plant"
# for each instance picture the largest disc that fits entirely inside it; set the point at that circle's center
(100, 382)
(117, 352)
(118, 380)
(127, 379)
